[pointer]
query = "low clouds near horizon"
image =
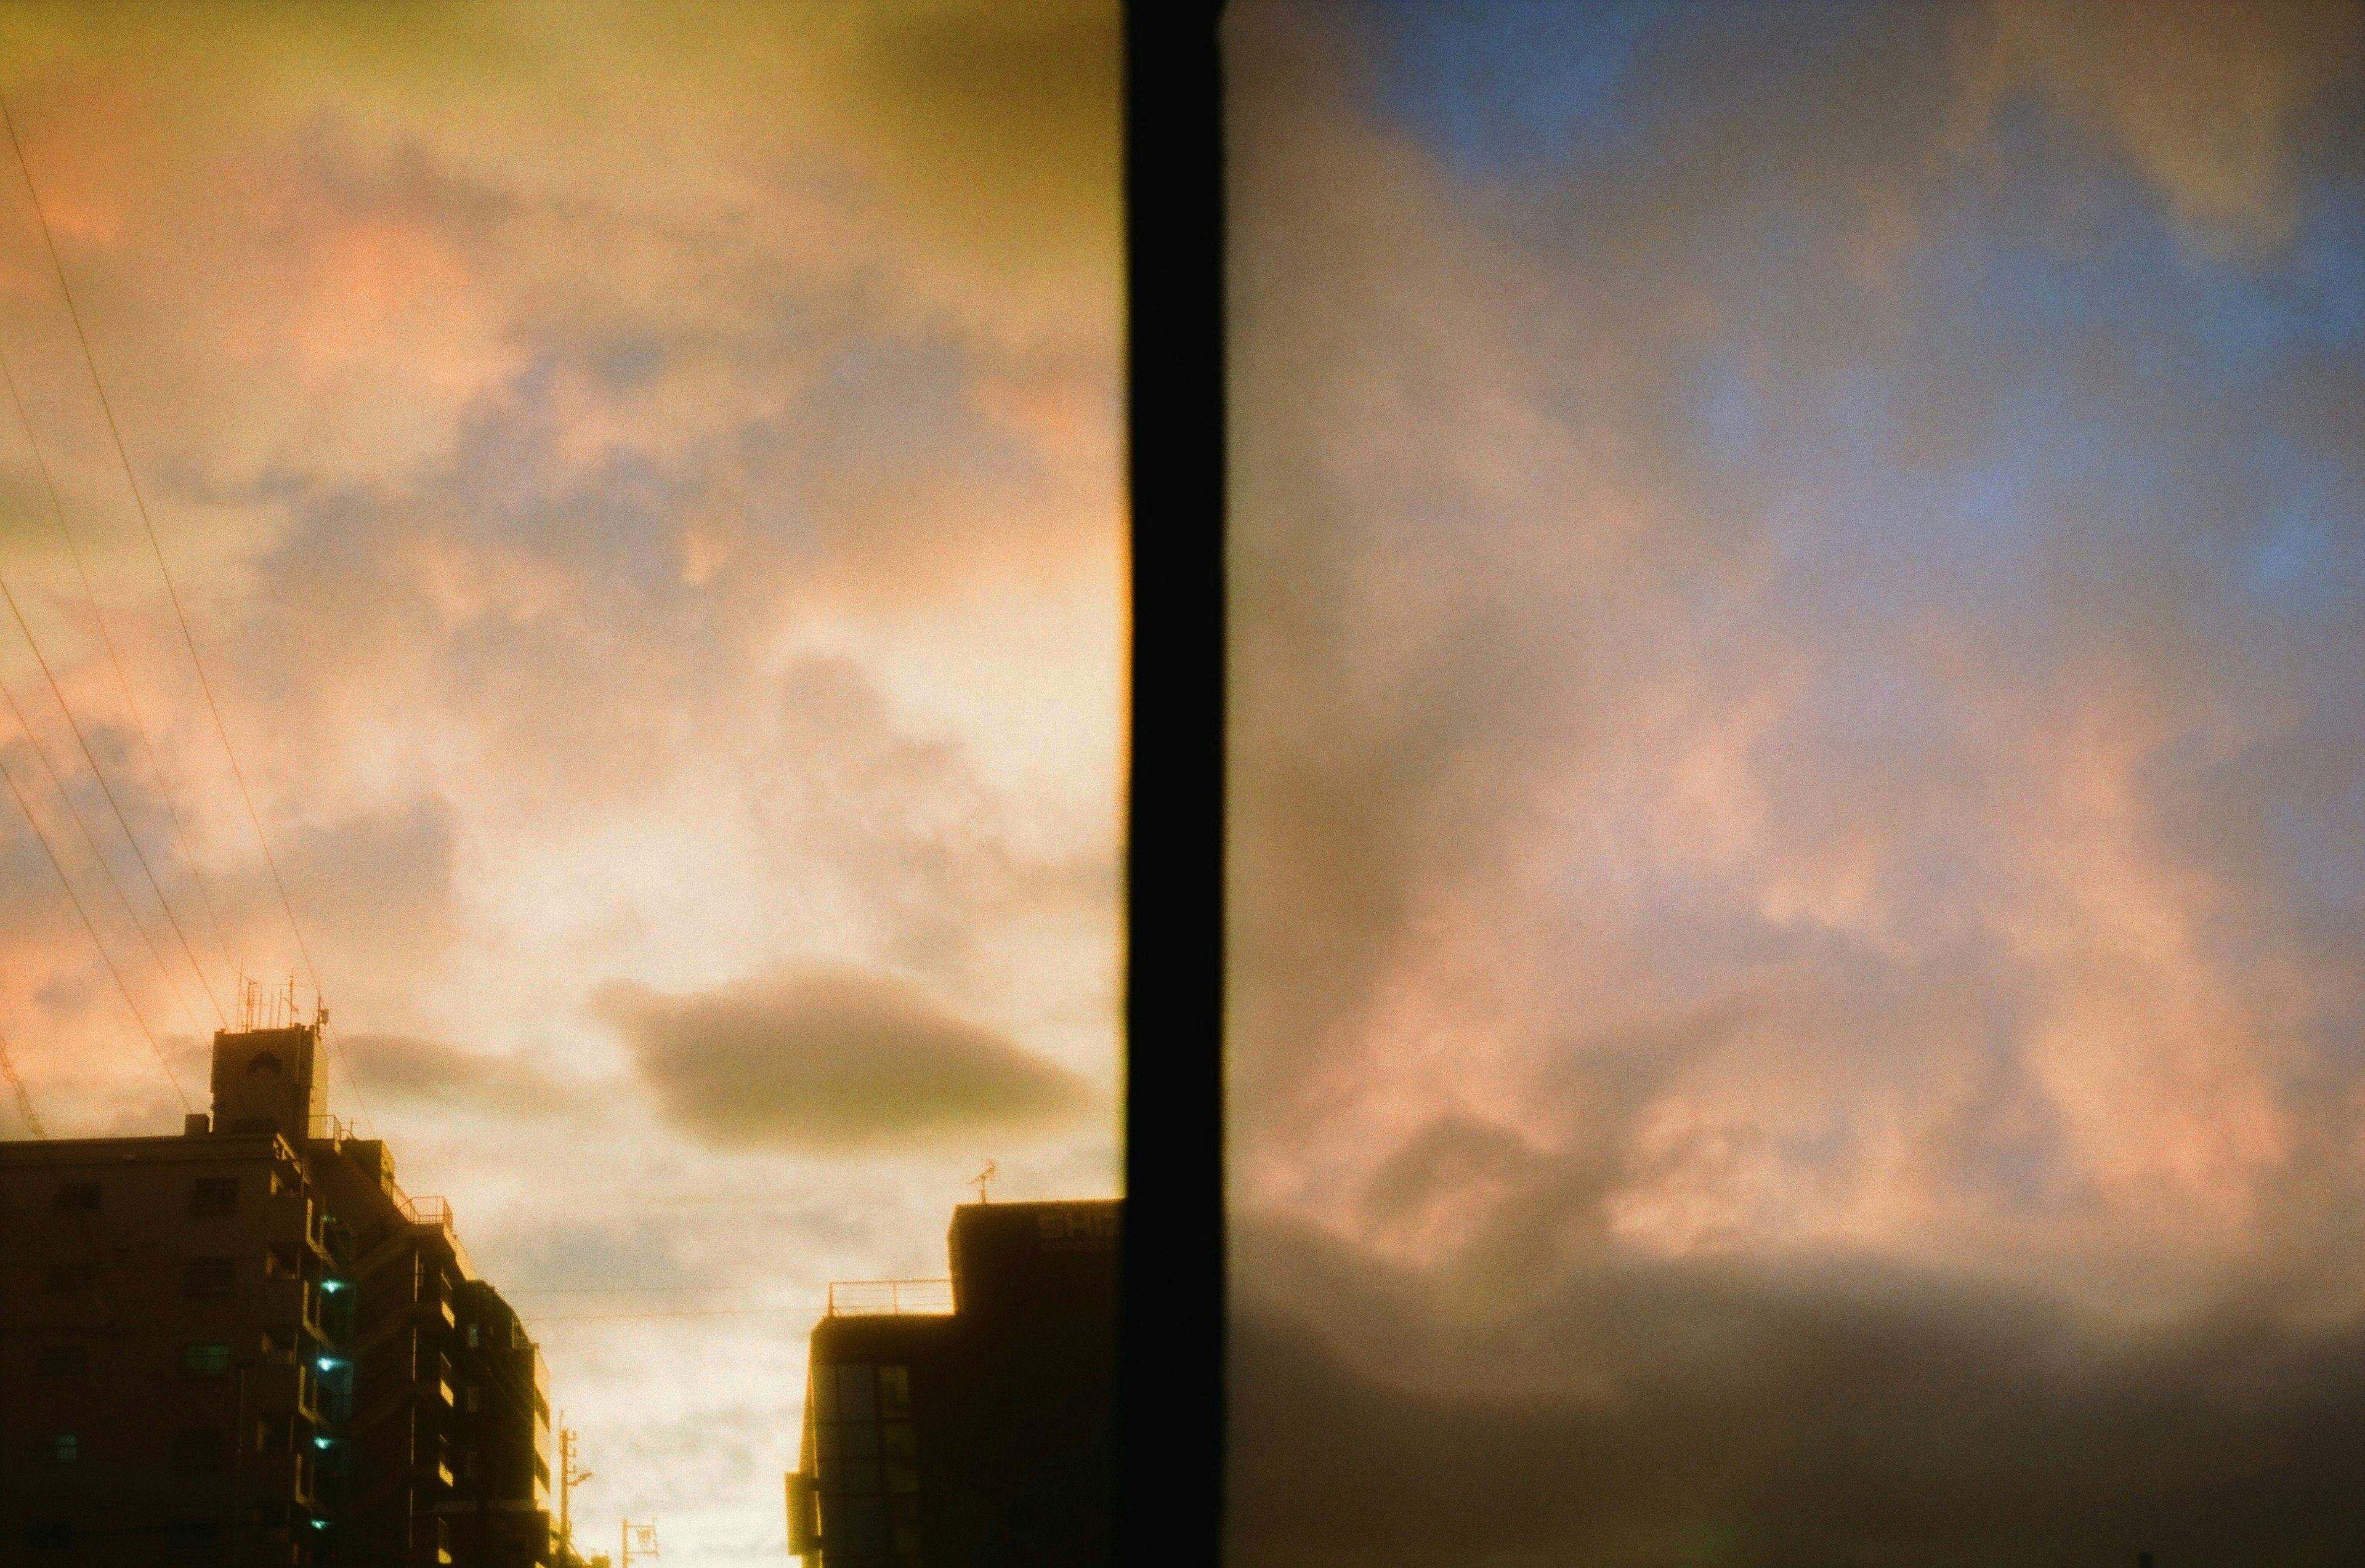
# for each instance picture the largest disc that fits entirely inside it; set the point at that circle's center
(1796, 931)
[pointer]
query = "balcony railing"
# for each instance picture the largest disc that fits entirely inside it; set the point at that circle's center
(427, 1211)
(886, 1298)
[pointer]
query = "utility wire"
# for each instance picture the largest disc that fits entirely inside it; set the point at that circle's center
(32, 1118)
(105, 788)
(172, 591)
(180, 842)
(139, 503)
(58, 781)
(105, 957)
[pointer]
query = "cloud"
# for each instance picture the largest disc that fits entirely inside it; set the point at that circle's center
(1793, 966)
(400, 1067)
(2220, 106)
(832, 1058)
(1775, 1416)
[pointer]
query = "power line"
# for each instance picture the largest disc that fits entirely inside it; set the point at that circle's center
(105, 957)
(57, 782)
(122, 680)
(172, 591)
(139, 503)
(138, 854)
(32, 1118)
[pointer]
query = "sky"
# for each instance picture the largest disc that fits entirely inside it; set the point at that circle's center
(643, 486)
(1797, 783)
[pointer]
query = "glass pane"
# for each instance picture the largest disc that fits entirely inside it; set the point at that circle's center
(855, 1398)
(860, 1528)
(899, 1440)
(895, 1391)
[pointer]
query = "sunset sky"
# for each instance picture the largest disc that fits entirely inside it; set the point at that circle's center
(1798, 783)
(644, 484)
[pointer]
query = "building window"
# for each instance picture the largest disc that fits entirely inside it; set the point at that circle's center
(64, 1277)
(61, 1447)
(476, 1336)
(209, 1276)
(78, 1195)
(282, 1262)
(468, 1462)
(199, 1450)
(214, 1195)
(64, 1360)
(205, 1360)
(865, 1454)
(903, 1524)
(474, 1399)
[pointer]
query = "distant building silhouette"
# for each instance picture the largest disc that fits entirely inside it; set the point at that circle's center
(246, 1346)
(975, 1438)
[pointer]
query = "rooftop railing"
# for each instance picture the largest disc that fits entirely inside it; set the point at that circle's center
(891, 1298)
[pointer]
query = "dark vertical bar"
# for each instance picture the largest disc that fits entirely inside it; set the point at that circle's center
(1170, 1388)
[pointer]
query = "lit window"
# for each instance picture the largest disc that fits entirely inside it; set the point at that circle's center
(63, 1448)
(205, 1360)
(474, 1336)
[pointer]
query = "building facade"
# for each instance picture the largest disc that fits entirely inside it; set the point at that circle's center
(979, 1438)
(247, 1346)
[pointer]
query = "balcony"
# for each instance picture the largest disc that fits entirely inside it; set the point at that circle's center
(891, 1298)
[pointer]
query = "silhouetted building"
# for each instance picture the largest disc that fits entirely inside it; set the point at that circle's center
(245, 1346)
(978, 1437)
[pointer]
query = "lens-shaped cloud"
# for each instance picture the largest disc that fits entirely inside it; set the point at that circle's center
(826, 1058)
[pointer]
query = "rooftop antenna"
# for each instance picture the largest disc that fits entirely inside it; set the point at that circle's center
(982, 1180)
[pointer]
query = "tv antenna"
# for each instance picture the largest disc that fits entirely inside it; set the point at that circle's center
(982, 1180)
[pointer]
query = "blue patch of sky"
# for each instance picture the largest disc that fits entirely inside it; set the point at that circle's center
(1508, 89)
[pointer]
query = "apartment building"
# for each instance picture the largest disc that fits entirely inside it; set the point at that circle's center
(241, 1346)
